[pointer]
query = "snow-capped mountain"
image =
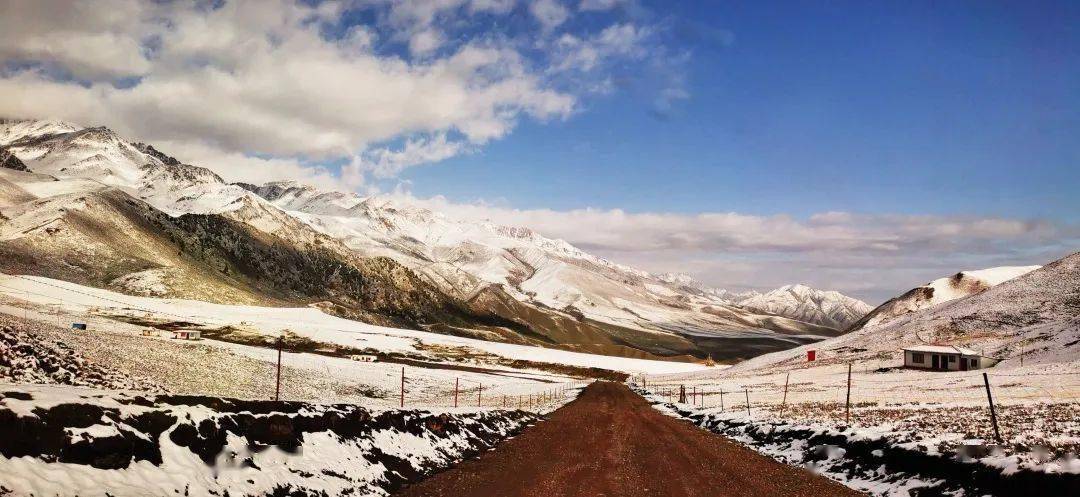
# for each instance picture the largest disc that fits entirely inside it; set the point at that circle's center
(801, 302)
(124, 206)
(941, 290)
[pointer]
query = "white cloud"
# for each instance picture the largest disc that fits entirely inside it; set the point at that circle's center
(871, 256)
(426, 41)
(598, 5)
(386, 162)
(493, 6)
(87, 41)
(549, 13)
(615, 41)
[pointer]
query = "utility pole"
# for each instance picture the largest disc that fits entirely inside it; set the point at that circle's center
(747, 401)
(478, 392)
(456, 380)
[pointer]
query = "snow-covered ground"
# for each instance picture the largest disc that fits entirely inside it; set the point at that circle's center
(883, 461)
(67, 441)
(1030, 322)
(78, 301)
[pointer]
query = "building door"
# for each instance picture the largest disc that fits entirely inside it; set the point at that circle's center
(963, 364)
(935, 362)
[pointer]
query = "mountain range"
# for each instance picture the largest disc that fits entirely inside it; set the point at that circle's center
(89, 206)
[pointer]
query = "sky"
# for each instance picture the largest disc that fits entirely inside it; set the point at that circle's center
(861, 146)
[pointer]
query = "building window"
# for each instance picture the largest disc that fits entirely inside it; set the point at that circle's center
(917, 357)
(952, 358)
(974, 363)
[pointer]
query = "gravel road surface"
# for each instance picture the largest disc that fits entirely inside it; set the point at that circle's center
(611, 443)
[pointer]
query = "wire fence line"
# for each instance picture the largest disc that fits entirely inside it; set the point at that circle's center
(971, 399)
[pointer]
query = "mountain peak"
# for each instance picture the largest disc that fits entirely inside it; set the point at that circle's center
(805, 303)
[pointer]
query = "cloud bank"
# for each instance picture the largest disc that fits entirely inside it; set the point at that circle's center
(873, 257)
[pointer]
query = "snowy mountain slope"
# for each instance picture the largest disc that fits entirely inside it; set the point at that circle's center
(99, 235)
(468, 258)
(531, 288)
(939, 291)
(1036, 315)
(801, 302)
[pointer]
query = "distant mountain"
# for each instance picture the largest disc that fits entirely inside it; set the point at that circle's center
(803, 303)
(98, 209)
(941, 290)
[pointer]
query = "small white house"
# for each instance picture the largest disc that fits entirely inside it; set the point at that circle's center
(363, 358)
(946, 358)
(187, 334)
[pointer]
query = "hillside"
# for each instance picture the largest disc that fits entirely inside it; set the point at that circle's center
(1035, 315)
(939, 291)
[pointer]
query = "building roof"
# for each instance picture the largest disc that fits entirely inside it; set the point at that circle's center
(942, 349)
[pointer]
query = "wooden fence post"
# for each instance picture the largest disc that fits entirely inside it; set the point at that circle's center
(993, 414)
(783, 403)
(747, 401)
(456, 383)
(721, 400)
(277, 388)
(847, 407)
(403, 386)
(478, 392)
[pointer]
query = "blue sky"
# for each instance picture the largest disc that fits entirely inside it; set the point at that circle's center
(875, 107)
(861, 146)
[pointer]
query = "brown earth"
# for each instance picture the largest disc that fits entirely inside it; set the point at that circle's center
(611, 443)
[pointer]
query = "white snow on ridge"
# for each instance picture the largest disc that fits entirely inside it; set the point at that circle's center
(308, 322)
(965, 283)
(808, 304)
(942, 290)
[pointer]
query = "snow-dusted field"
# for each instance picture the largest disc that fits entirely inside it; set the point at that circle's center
(62, 440)
(76, 301)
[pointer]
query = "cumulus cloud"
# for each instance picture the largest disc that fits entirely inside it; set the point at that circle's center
(549, 13)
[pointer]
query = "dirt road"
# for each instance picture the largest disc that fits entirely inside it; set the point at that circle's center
(611, 443)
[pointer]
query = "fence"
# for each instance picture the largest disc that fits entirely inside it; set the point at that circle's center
(999, 406)
(413, 386)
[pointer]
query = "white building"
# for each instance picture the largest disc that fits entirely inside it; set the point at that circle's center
(187, 334)
(946, 358)
(363, 358)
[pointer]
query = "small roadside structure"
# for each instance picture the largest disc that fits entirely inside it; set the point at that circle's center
(946, 358)
(363, 358)
(187, 334)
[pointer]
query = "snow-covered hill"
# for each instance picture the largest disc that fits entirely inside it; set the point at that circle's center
(532, 288)
(1035, 315)
(941, 290)
(807, 304)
